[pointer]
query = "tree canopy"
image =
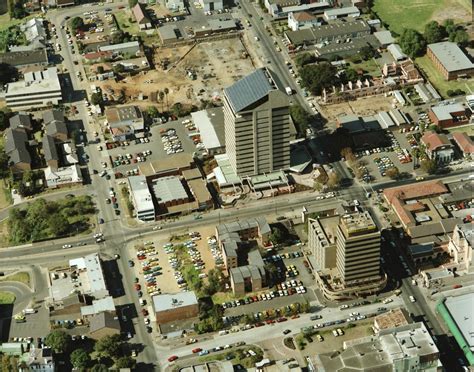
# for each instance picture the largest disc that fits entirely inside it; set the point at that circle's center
(109, 346)
(434, 32)
(412, 43)
(8, 73)
(300, 117)
(77, 24)
(429, 166)
(58, 340)
(80, 358)
(317, 77)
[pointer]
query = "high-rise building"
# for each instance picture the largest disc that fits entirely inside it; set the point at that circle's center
(257, 124)
(358, 248)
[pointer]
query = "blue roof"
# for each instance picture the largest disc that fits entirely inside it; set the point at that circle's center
(249, 90)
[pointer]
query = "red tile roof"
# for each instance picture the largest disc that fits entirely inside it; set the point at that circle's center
(396, 197)
(97, 55)
(303, 16)
(464, 142)
(433, 140)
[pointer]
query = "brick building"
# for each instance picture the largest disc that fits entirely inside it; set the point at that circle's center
(450, 60)
(174, 307)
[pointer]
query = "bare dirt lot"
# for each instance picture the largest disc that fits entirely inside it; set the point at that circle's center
(362, 107)
(216, 65)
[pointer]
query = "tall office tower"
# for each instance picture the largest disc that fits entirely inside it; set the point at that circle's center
(257, 124)
(358, 248)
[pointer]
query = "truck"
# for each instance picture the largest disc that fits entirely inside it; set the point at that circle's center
(288, 91)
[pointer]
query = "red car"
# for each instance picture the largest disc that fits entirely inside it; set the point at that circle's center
(197, 350)
(172, 358)
(144, 312)
(279, 320)
(138, 287)
(270, 321)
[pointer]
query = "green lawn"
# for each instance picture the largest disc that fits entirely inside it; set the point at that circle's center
(122, 19)
(442, 85)
(370, 66)
(6, 298)
(21, 277)
(401, 14)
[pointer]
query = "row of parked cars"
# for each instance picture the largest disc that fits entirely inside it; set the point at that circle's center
(171, 142)
(215, 250)
(149, 262)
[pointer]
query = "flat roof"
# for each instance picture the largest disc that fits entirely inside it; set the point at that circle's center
(443, 112)
(211, 127)
(167, 189)
(224, 173)
(141, 193)
(115, 47)
(341, 11)
(36, 83)
(461, 310)
(384, 37)
(450, 56)
(166, 302)
(91, 265)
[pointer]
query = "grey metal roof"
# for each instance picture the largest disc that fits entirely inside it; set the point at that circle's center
(396, 51)
(104, 320)
(167, 189)
(443, 112)
(460, 308)
(49, 148)
(20, 120)
(384, 37)
(16, 145)
(451, 56)
(55, 127)
(51, 115)
(22, 58)
(250, 89)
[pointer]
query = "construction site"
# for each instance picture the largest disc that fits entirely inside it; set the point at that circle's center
(191, 73)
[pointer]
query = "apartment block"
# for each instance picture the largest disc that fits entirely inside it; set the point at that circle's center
(358, 248)
(257, 124)
(322, 240)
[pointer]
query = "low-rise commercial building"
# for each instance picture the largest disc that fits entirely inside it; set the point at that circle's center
(438, 147)
(397, 52)
(450, 60)
(408, 347)
(103, 324)
(175, 307)
(175, 5)
(349, 12)
(210, 124)
(281, 8)
(125, 50)
(211, 5)
(331, 33)
(125, 121)
(456, 312)
(449, 115)
(38, 89)
(141, 198)
(168, 33)
(392, 319)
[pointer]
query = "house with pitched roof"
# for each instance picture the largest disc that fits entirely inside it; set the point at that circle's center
(54, 122)
(299, 20)
(464, 143)
(141, 16)
(17, 148)
(438, 147)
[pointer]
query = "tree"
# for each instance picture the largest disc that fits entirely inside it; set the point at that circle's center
(318, 77)
(300, 117)
(351, 75)
(100, 69)
(58, 340)
(99, 368)
(125, 362)
(366, 52)
(450, 26)
(412, 43)
(278, 235)
(161, 98)
(8, 73)
(334, 181)
(80, 359)
(118, 69)
(214, 279)
(429, 166)
(460, 37)
(434, 32)
(166, 91)
(152, 112)
(305, 59)
(96, 98)
(3, 120)
(18, 11)
(393, 173)
(347, 154)
(77, 23)
(109, 346)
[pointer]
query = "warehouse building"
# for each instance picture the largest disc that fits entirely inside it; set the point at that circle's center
(175, 307)
(450, 60)
(141, 198)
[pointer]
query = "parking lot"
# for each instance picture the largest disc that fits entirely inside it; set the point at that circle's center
(128, 155)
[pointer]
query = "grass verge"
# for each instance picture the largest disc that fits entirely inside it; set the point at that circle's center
(21, 277)
(7, 298)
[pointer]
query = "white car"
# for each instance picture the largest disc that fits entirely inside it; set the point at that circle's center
(67, 246)
(412, 299)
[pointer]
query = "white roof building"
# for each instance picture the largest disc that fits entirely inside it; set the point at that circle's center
(210, 124)
(141, 198)
(38, 89)
(91, 275)
(62, 176)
